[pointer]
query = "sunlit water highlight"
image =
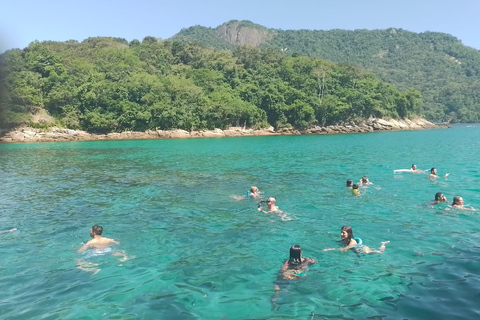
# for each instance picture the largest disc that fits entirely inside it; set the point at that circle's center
(195, 253)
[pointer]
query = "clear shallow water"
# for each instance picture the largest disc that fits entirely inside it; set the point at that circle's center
(195, 253)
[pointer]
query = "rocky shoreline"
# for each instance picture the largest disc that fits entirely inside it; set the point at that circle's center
(55, 134)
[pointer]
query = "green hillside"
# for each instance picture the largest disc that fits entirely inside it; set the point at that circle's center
(110, 85)
(446, 72)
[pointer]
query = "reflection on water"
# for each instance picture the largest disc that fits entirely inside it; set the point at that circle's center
(193, 252)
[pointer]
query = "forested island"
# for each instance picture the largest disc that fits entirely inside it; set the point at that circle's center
(105, 85)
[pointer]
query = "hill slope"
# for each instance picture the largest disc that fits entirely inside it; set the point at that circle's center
(446, 72)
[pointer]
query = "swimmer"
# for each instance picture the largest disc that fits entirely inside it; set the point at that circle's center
(413, 169)
(439, 197)
(11, 230)
(294, 268)
(253, 193)
(270, 205)
(355, 190)
(356, 244)
(272, 208)
(458, 204)
(98, 242)
(433, 174)
(364, 181)
(349, 183)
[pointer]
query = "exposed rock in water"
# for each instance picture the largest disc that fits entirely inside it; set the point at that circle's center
(26, 134)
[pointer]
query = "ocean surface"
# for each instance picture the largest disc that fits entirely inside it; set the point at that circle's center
(188, 250)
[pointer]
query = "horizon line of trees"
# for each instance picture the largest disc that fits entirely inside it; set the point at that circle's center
(110, 85)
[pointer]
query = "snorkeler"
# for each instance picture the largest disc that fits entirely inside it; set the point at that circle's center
(458, 204)
(355, 190)
(98, 242)
(356, 244)
(252, 193)
(349, 183)
(272, 208)
(433, 174)
(364, 181)
(439, 197)
(270, 205)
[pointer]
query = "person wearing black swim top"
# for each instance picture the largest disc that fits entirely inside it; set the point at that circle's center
(350, 242)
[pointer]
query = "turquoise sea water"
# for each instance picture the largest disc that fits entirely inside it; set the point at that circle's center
(195, 253)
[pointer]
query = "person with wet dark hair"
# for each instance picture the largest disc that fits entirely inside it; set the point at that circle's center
(349, 183)
(296, 266)
(439, 197)
(433, 174)
(98, 242)
(296, 262)
(355, 189)
(356, 244)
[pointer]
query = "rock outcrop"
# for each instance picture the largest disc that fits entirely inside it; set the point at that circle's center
(27, 134)
(240, 34)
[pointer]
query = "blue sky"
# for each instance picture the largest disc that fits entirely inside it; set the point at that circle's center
(23, 21)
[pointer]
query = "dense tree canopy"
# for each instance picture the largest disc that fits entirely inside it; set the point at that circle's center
(109, 85)
(446, 72)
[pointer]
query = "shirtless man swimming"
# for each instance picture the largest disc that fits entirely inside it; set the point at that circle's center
(272, 208)
(433, 174)
(270, 205)
(98, 242)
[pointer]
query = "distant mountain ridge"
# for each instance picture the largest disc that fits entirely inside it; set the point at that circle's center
(226, 36)
(439, 65)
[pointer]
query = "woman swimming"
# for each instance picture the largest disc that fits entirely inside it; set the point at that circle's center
(355, 190)
(296, 266)
(458, 204)
(252, 193)
(356, 244)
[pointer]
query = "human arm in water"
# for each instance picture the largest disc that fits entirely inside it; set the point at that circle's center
(310, 261)
(85, 247)
(352, 244)
(464, 208)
